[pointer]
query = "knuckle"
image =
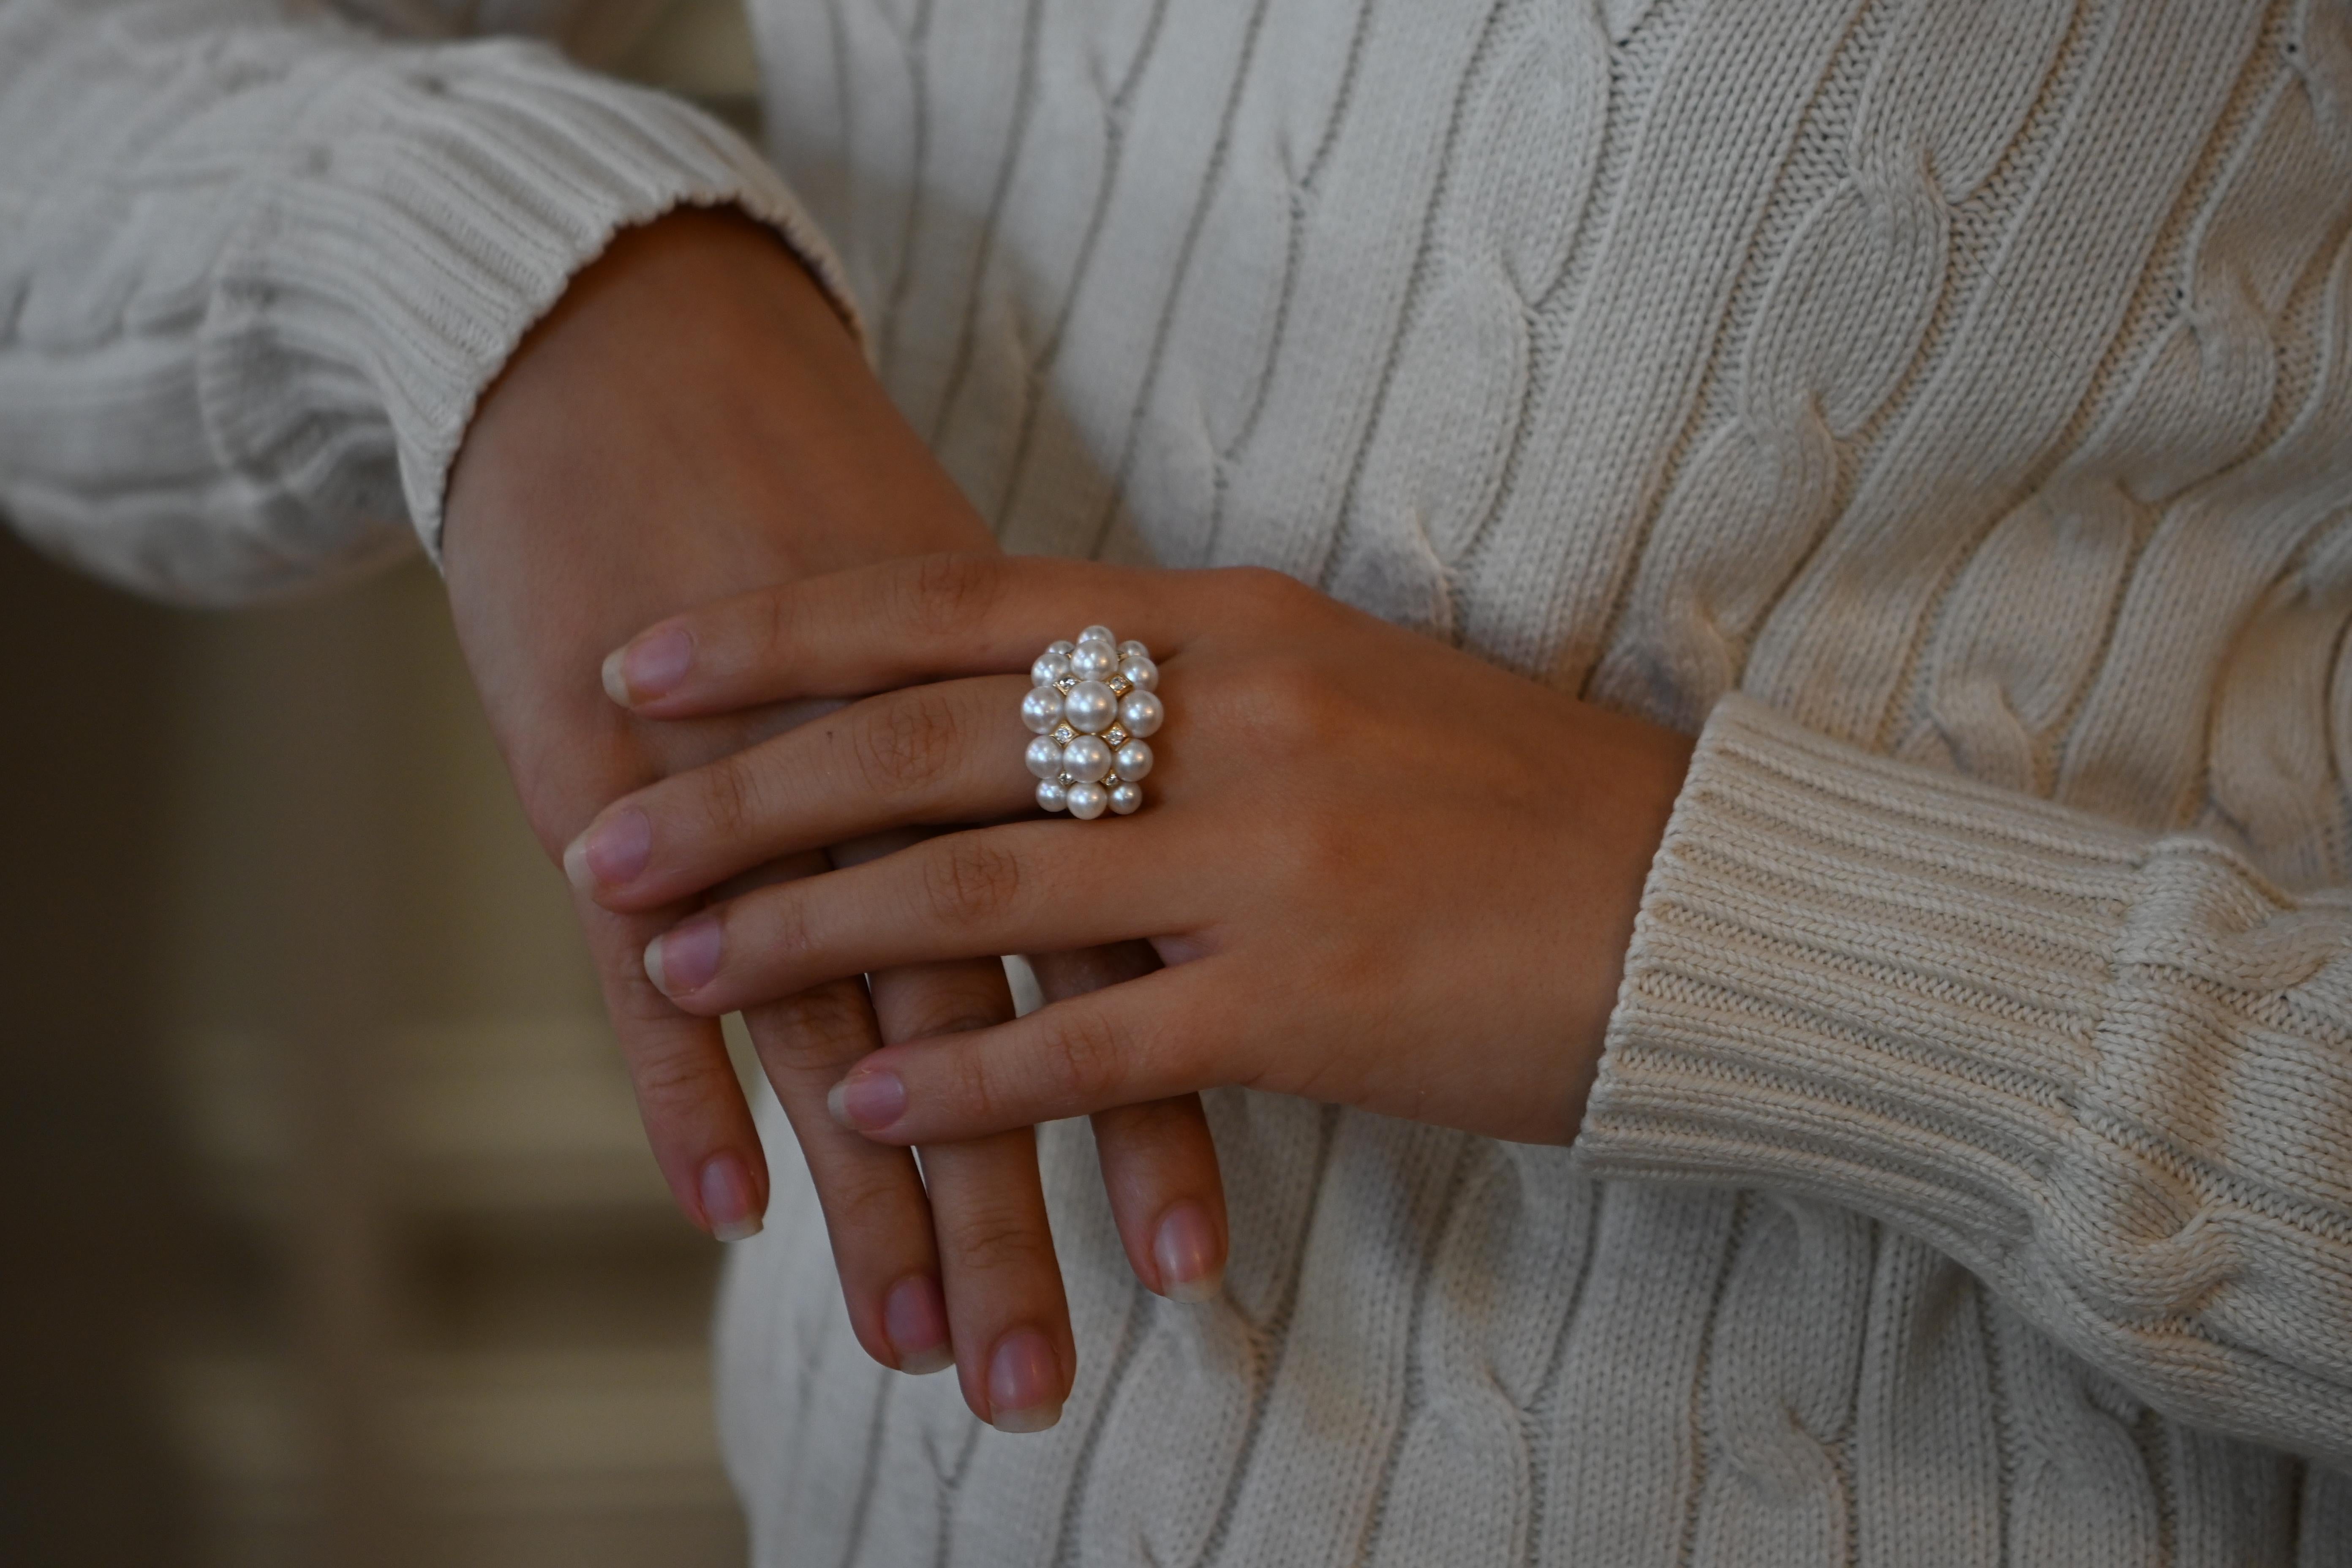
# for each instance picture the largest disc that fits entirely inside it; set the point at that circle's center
(996, 1237)
(670, 1083)
(906, 748)
(822, 1030)
(967, 878)
(951, 591)
(771, 941)
(1088, 1059)
(947, 1010)
(730, 797)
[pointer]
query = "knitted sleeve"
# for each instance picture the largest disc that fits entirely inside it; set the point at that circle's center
(255, 271)
(2110, 1073)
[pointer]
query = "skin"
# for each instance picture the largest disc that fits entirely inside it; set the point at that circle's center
(1361, 852)
(692, 419)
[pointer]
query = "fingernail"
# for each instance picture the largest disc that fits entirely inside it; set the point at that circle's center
(684, 958)
(867, 1100)
(649, 667)
(610, 852)
(1185, 1247)
(728, 1206)
(1024, 1384)
(915, 1316)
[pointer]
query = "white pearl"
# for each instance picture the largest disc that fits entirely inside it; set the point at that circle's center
(1131, 649)
(1125, 798)
(1044, 757)
(1085, 759)
(1065, 647)
(1141, 712)
(1093, 661)
(1041, 709)
(1134, 760)
(1052, 796)
(1097, 633)
(1088, 707)
(1086, 801)
(1140, 672)
(1049, 668)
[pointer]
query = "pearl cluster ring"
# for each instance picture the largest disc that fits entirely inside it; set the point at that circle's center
(1091, 703)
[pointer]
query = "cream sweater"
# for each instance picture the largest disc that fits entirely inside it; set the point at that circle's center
(1946, 410)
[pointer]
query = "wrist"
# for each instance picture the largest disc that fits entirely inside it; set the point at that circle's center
(692, 420)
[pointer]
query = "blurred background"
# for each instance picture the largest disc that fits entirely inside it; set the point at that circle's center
(329, 1235)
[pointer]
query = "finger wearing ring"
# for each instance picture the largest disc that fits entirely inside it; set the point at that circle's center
(1091, 703)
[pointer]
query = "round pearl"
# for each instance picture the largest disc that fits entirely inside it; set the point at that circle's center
(1052, 796)
(1141, 712)
(1097, 633)
(1044, 757)
(1134, 760)
(1065, 647)
(1086, 801)
(1131, 649)
(1041, 709)
(1085, 759)
(1089, 707)
(1124, 797)
(1140, 672)
(1049, 668)
(1093, 661)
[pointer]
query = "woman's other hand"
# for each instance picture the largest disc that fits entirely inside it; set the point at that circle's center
(691, 419)
(1380, 872)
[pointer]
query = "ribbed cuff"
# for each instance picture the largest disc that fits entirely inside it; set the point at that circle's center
(433, 205)
(1862, 981)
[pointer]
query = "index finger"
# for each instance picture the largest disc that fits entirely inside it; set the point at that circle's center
(903, 621)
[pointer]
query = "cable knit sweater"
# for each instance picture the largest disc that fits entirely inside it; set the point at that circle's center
(1945, 410)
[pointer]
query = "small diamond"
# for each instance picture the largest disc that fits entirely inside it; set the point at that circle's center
(1119, 685)
(1068, 684)
(1114, 737)
(1063, 735)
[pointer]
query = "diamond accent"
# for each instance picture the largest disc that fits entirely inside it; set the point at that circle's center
(1066, 685)
(1114, 737)
(1063, 734)
(1119, 685)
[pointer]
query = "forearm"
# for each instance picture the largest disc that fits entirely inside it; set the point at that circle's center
(2104, 1070)
(260, 265)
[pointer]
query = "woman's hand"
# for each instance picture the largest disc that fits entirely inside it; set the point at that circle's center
(691, 419)
(1380, 872)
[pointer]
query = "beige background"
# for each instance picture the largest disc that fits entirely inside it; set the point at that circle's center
(330, 1233)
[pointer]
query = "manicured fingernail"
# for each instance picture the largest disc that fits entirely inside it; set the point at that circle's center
(649, 667)
(1024, 1383)
(610, 852)
(867, 1100)
(684, 958)
(729, 1207)
(1185, 1247)
(915, 1316)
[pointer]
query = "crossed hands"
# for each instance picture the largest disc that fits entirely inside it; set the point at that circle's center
(1370, 870)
